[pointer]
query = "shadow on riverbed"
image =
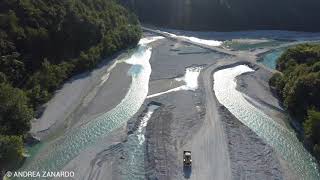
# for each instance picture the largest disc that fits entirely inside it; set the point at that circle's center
(187, 170)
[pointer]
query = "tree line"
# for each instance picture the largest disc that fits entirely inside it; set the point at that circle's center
(229, 15)
(299, 89)
(42, 44)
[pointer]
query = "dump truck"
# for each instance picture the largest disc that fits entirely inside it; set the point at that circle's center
(187, 158)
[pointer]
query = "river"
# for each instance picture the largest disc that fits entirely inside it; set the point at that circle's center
(282, 140)
(135, 146)
(270, 59)
(55, 155)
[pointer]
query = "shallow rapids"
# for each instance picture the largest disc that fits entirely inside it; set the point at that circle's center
(53, 156)
(282, 140)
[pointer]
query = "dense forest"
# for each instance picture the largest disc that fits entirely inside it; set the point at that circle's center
(228, 15)
(42, 44)
(299, 88)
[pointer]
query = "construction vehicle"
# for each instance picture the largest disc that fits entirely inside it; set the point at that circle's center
(187, 161)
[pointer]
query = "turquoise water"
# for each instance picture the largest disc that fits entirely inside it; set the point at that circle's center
(55, 155)
(247, 46)
(270, 58)
(134, 167)
(281, 139)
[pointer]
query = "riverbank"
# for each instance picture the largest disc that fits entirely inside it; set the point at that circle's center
(85, 135)
(184, 123)
(251, 157)
(84, 96)
(222, 147)
(258, 92)
(245, 155)
(181, 115)
(244, 36)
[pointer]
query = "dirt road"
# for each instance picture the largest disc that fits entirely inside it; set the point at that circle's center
(209, 145)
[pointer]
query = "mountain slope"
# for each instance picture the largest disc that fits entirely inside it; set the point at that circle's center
(227, 15)
(43, 43)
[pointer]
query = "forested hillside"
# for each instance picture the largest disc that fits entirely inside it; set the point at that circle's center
(44, 42)
(299, 89)
(227, 15)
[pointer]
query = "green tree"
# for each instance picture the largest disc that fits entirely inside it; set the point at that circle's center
(45, 42)
(15, 114)
(299, 89)
(11, 152)
(312, 126)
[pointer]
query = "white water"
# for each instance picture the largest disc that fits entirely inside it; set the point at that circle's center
(166, 92)
(195, 39)
(144, 123)
(190, 78)
(55, 155)
(150, 39)
(282, 140)
(134, 167)
(202, 41)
